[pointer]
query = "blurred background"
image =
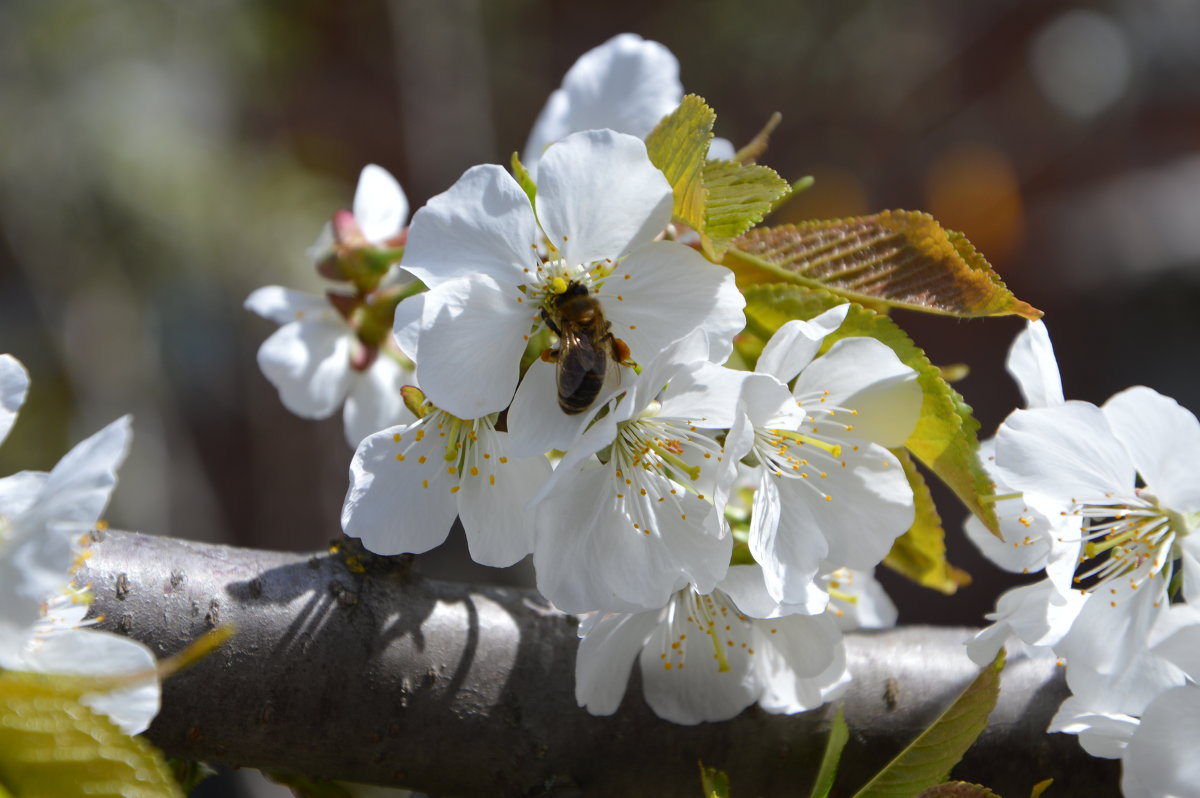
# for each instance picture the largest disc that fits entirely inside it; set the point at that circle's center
(161, 160)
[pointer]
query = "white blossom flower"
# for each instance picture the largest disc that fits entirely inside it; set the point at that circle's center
(409, 482)
(828, 488)
(599, 205)
(42, 515)
(1160, 759)
(61, 644)
(317, 359)
(627, 84)
(708, 656)
(645, 522)
(1079, 461)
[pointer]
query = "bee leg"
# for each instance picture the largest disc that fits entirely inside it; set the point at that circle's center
(550, 323)
(549, 355)
(620, 350)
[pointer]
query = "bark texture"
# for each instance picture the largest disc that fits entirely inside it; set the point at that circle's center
(349, 666)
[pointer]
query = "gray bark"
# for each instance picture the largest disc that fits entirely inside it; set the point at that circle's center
(359, 669)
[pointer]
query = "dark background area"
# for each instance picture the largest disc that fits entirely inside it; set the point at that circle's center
(160, 160)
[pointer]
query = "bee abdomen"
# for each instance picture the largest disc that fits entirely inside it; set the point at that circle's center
(587, 387)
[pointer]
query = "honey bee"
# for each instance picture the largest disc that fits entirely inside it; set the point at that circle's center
(585, 341)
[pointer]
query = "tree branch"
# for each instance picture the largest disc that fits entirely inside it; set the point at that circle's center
(352, 667)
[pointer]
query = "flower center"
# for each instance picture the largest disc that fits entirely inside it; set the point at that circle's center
(713, 616)
(657, 464)
(1126, 538)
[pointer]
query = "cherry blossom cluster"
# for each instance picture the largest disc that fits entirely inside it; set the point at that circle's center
(564, 378)
(1105, 501)
(45, 521)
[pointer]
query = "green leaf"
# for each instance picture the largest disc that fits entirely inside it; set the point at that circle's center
(738, 198)
(678, 146)
(1040, 788)
(714, 782)
(839, 733)
(306, 787)
(920, 553)
(521, 174)
(52, 746)
(945, 438)
(958, 789)
(894, 258)
(928, 759)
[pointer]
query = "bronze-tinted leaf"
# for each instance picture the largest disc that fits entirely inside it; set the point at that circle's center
(900, 258)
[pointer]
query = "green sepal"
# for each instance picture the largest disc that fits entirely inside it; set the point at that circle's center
(713, 782)
(524, 179)
(928, 759)
(52, 746)
(945, 438)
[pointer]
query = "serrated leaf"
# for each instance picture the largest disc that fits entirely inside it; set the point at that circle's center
(920, 553)
(713, 782)
(945, 439)
(738, 198)
(928, 759)
(958, 789)
(897, 258)
(678, 146)
(839, 733)
(52, 746)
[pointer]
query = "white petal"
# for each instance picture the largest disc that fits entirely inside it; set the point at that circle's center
(589, 556)
(1106, 650)
(536, 423)
(806, 643)
(797, 694)
(94, 653)
(14, 385)
(1025, 546)
(19, 491)
(705, 393)
(872, 608)
(1062, 453)
(605, 657)
(627, 84)
(374, 401)
(1101, 734)
(720, 149)
(1162, 753)
(499, 526)
(472, 334)
(1176, 638)
(78, 487)
(308, 362)
(784, 539)
(482, 224)
(600, 197)
(865, 375)
(283, 305)
(380, 207)
(671, 290)
(746, 586)
(871, 505)
(1164, 440)
(796, 343)
(700, 691)
(398, 506)
(1032, 364)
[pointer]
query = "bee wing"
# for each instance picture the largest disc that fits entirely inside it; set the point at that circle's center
(578, 357)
